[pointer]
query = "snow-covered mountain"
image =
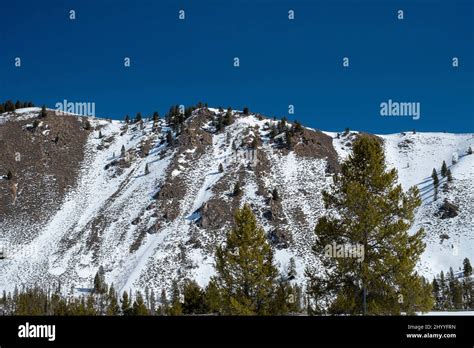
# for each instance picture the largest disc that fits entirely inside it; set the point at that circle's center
(150, 209)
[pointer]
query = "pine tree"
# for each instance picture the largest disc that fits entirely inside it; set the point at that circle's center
(237, 190)
(127, 119)
(113, 307)
(152, 303)
(176, 307)
(2, 108)
(298, 128)
(43, 112)
(436, 294)
(291, 274)
(9, 175)
(444, 290)
(18, 105)
(212, 298)
(455, 291)
(469, 151)
(139, 307)
(434, 176)
(275, 195)
(125, 301)
(87, 124)
(164, 305)
(246, 110)
(100, 135)
(228, 118)
(156, 116)
(99, 281)
(169, 138)
(373, 214)
(221, 168)
(193, 298)
(138, 118)
(444, 169)
(450, 176)
(122, 151)
(147, 170)
(246, 275)
(467, 285)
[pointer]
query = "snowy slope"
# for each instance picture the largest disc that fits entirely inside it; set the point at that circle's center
(143, 235)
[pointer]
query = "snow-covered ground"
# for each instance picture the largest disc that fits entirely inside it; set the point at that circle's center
(94, 225)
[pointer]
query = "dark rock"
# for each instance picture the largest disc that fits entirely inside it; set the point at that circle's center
(447, 210)
(280, 239)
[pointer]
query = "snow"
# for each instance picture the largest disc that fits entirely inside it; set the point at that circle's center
(120, 197)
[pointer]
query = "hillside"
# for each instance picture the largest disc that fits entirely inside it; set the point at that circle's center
(82, 202)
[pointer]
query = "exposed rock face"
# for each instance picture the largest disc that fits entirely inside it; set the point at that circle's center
(448, 210)
(315, 144)
(44, 156)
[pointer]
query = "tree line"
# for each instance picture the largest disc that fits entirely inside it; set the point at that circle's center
(454, 291)
(9, 106)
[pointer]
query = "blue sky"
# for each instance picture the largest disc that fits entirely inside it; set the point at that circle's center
(282, 62)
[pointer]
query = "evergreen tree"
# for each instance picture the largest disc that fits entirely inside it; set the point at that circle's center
(139, 307)
(125, 301)
(219, 123)
(246, 275)
(444, 169)
(99, 281)
(228, 118)
(87, 124)
(9, 175)
(127, 119)
(176, 307)
(9, 106)
(100, 135)
(43, 112)
(122, 151)
(373, 214)
(138, 118)
(18, 105)
(467, 285)
(298, 127)
(237, 190)
(164, 305)
(152, 303)
(212, 298)
(2, 109)
(275, 194)
(193, 298)
(156, 116)
(450, 176)
(434, 175)
(246, 111)
(455, 291)
(291, 274)
(444, 290)
(147, 170)
(436, 294)
(469, 151)
(113, 307)
(221, 168)
(169, 138)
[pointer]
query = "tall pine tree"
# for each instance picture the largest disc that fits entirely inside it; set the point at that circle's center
(246, 275)
(374, 214)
